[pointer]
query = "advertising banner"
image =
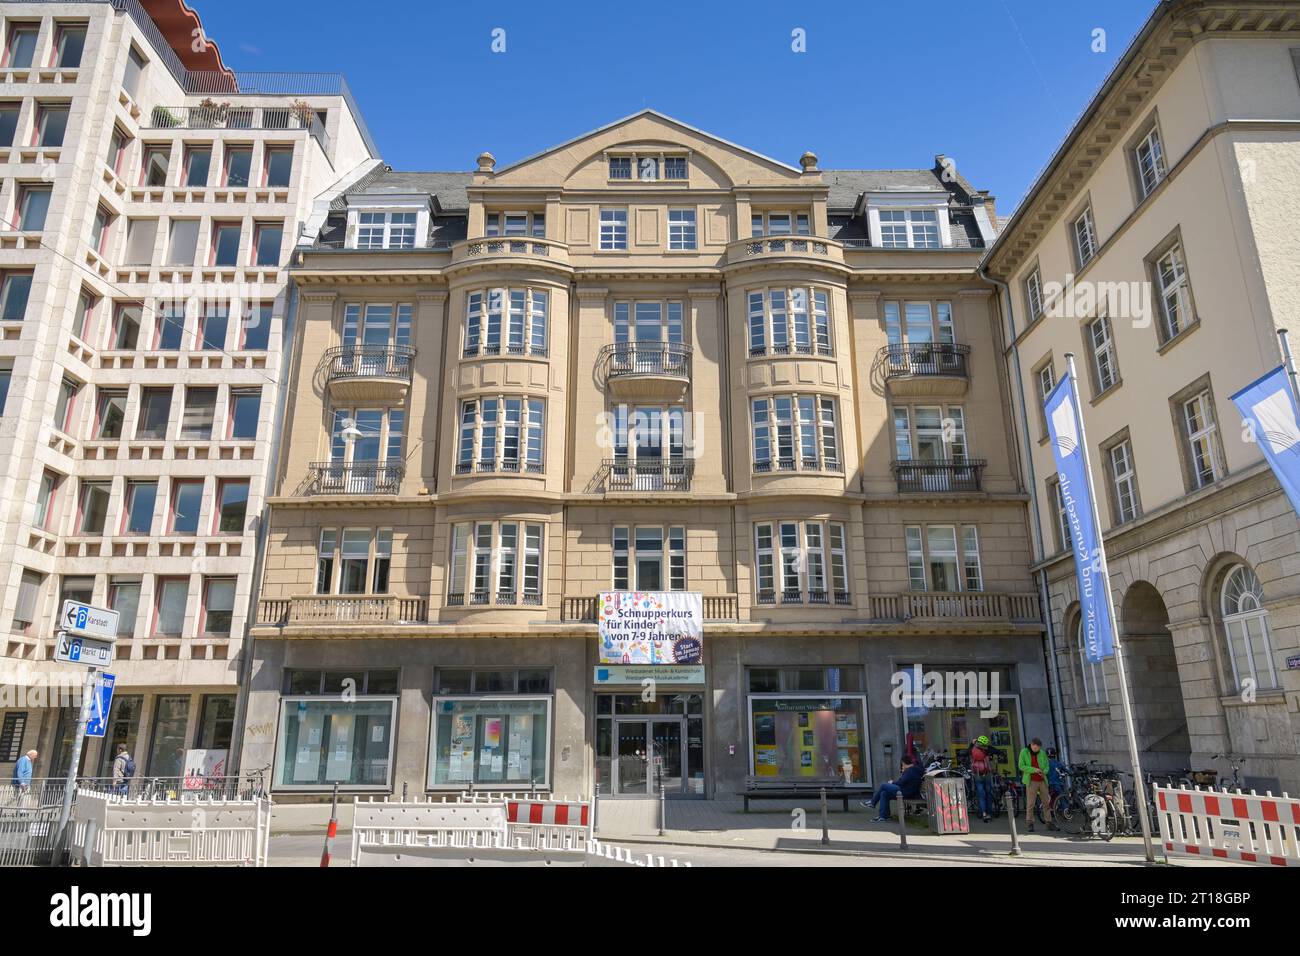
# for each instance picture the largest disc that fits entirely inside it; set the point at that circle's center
(1270, 409)
(650, 627)
(1072, 472)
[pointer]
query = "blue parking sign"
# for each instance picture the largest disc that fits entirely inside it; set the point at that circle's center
(100, 703)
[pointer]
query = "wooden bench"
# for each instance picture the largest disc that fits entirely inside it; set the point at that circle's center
(765, 788)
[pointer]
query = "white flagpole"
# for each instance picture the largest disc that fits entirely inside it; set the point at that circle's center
(1139, 785)
(1289, 362)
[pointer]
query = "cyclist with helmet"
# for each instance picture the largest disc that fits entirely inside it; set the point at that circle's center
(981, 768)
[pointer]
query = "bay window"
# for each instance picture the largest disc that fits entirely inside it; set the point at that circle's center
(782, 321)
(502, 558)
(501, 434)
(802, 561)
(794, 432)
(514, 321)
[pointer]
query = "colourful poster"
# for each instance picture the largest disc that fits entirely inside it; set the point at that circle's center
(492, 732)
(650, 627)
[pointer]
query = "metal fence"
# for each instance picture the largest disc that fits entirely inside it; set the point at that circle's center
(28, 835)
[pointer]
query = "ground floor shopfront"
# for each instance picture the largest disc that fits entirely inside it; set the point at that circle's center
(441, 715)
(164, 728)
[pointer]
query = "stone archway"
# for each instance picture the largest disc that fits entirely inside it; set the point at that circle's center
(1159, 716)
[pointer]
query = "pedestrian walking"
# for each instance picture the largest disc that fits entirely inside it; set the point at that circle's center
(22, 780)
(1034, 770)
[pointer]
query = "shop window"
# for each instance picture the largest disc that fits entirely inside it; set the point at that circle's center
(167, 744)
(946, 727)
(216, 722)
(311, 682)
(496, 735)
(808, 736)
(123, 728)
(327, 740)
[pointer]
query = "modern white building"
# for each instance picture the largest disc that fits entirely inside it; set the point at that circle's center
(150, 199)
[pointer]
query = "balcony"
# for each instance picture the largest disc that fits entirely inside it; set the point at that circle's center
(506, 248)
(214, 115)
(939, 477)
(786, 596)
(365, 373)
(805, 248)
(717, 607)
(951, 606)
(925, 370)
(646, 371)
(355, 477)
(342, 609)
(643, 475)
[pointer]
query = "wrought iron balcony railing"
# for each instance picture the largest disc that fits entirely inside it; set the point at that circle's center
(671, 359)
(937, 477)
(925, 358)
(655, 474)
(370, 361)
(356, 477)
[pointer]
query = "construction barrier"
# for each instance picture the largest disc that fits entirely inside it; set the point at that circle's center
(548, 824)
(470, 832)
(1223, 825)
(192, 829)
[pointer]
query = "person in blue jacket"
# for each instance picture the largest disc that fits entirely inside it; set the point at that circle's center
(907, 786)
(23, 772)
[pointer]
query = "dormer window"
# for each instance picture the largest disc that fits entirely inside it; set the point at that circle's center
(386, 230)
(388, 222)
(909, 229)
(909, 220)
(781, 223)
(649, 167)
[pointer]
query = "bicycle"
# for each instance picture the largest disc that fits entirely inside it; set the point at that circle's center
(1235, 763)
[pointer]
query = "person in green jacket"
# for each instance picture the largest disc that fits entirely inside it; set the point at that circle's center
(1034, 769)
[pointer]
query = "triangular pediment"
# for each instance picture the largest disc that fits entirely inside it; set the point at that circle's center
(570, 163)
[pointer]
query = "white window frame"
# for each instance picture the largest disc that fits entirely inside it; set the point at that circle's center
(613, 228)
(683, 236)
(1095, 692)
(799, 431)
(1176, 312)
(1201, 436)
(1149, 160)
(1244, 628)
(496, 562)
(1084, 241)
(806, 556)
(1101, 343)
(1123, 480)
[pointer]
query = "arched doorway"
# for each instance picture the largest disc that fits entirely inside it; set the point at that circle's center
(1159, 717)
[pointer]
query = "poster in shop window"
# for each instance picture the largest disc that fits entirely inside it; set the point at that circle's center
(650, 627)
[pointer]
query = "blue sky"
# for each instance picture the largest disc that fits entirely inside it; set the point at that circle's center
(995, 84)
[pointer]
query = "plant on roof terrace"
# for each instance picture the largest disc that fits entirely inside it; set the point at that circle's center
(210, 113)
(163, 118)
(304, 112)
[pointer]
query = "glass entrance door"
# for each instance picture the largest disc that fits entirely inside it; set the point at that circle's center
(649, 751)
(632, 762)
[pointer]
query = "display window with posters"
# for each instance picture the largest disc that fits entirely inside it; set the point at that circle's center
(491, 729)
(808, 723)
(944, 709)
(336, 727)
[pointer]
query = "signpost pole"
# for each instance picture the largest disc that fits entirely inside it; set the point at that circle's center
(1103, 572)
(87, 694)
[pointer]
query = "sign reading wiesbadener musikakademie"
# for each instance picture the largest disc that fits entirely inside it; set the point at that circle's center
(650, 627)
(631, 675)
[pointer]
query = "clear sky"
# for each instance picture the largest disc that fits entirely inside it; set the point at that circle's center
(995, 84)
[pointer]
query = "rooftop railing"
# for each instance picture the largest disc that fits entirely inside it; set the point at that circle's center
(226, 116)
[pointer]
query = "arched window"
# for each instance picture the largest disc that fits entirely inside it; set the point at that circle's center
(1245, 624)
(1093, 675)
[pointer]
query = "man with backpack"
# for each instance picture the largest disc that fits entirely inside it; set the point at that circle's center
(981, 769)
(123, 769)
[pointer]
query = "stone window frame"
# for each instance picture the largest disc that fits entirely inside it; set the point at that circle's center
(1176, 402)
(1164, 342)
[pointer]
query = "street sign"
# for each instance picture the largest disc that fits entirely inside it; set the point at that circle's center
(97, 722)
(82, 620)
(82, 650)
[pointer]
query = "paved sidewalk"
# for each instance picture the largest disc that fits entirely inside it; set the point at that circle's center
(770, 825)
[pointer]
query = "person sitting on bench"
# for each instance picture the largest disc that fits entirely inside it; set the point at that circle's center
(907, 786)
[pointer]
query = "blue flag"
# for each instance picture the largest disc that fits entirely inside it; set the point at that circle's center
(1271, 410)
(1071, 469)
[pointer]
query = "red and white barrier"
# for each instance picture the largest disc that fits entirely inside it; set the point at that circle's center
(549, 824)
(1223, 825)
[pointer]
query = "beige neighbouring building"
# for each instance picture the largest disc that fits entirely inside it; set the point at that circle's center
(1173, 206)
(645, 360)
(150, 198)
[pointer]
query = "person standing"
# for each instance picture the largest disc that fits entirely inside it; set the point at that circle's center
(1034, 769)
(981, 769)
(123, 769)
(23, 775)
